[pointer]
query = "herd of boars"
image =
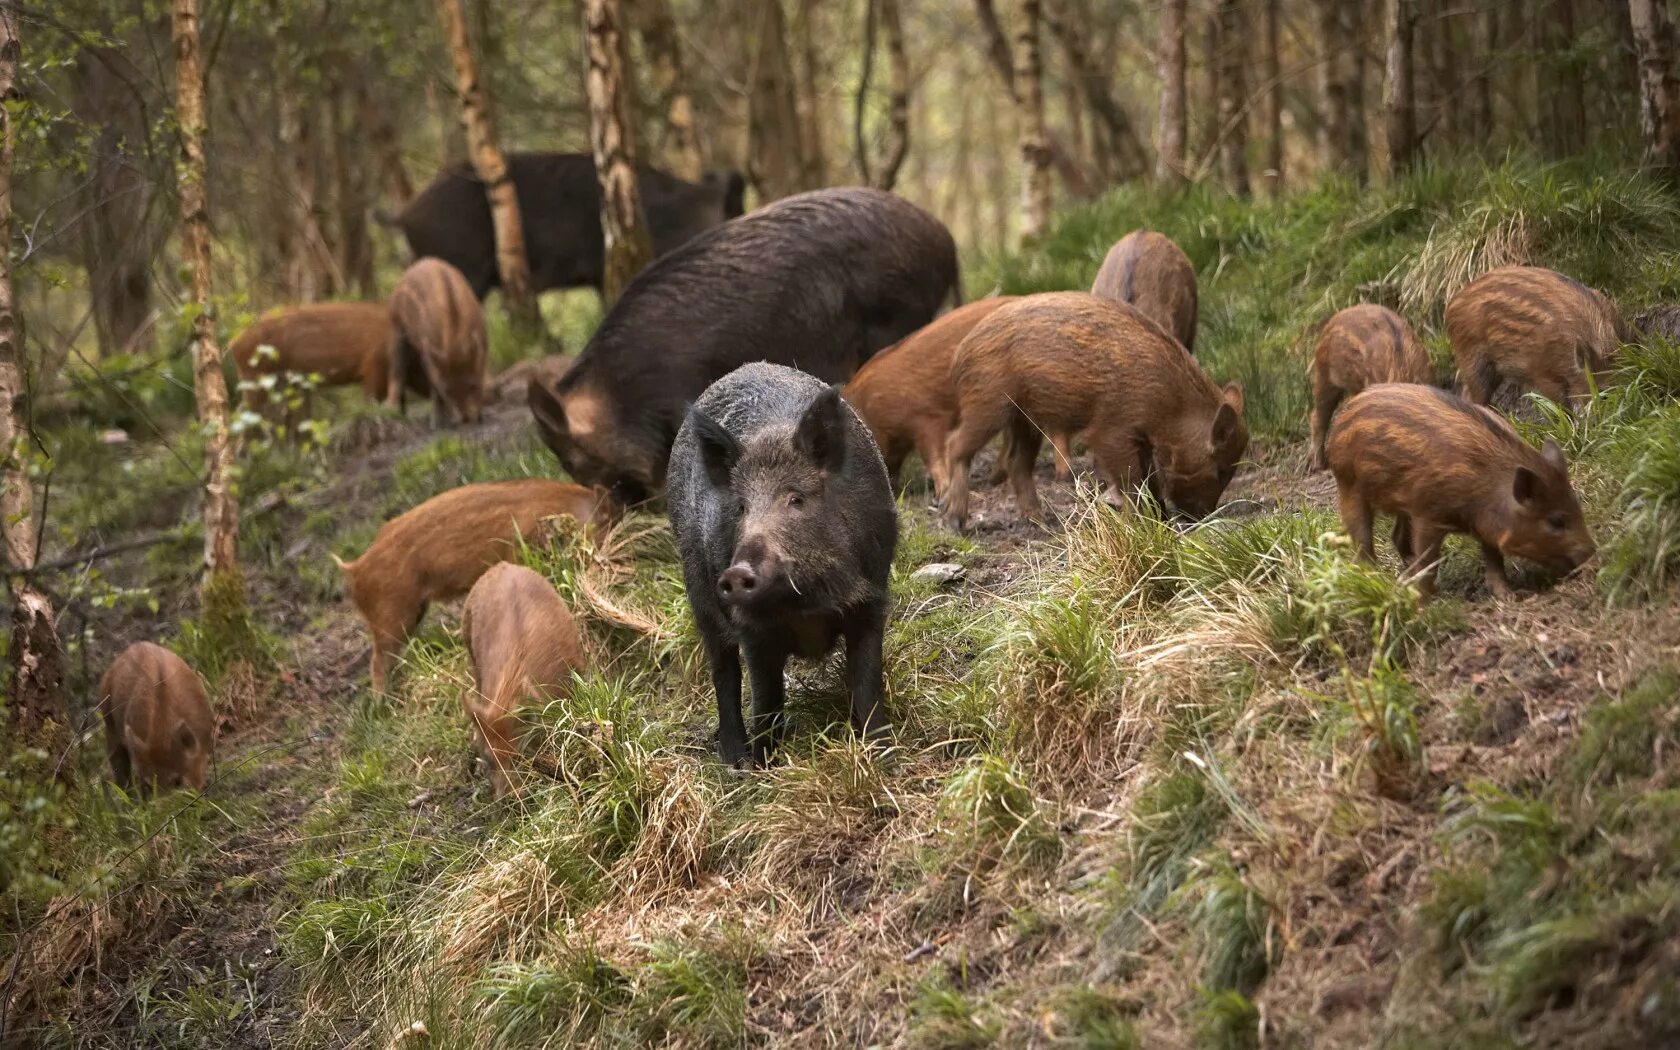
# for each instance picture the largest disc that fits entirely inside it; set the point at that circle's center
(715, 382)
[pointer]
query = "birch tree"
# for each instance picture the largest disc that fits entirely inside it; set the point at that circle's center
(1659, 98)
(1029, 104)
(658, 30)
(1169, 65)
(623, 226)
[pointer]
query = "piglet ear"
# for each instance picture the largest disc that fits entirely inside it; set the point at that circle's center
(822, 431)
(1225, 422)
(188, 739)
(1233, 395)
(550, 415)
(1525, 486)
(1553, 455)
(718, 448)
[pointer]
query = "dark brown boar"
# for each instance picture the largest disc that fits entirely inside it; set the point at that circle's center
(524, 646)
(343, 343)
(1149, 271)
(1360, 347)
(438, 550)
(159, 732)
(1522, 328)
(1661, 320)
(1442, 465)
(818, 281)
(1077, 363)
(438, 341)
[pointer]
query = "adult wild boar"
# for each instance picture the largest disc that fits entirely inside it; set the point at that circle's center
(159, 732)
(1072, 362)
(438, 342)
(560, 209)
(817, 281)
(1442, 465)
(342, 343)
(1149, 271)
(1360, 347)
(1522, 328)
(786, 525)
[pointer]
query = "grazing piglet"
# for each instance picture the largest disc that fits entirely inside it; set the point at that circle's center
(1149, 271)
(523, 645)
(158, 729)
(1441, 465)
(1077, 363)
(439, 549)
(343, 343)
(1524, 328)
(437, 342)
(1359, 347)
(786, 524)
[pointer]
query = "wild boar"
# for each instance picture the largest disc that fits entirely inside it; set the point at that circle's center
(343, 343)
(1442, 465)
(524, 645)
(439, 549)
(1359, 347)
(1661, 321)
(817, 281)
(438, 342)
(159, 732)
(1149, 271)
(560, 209)
(1522, 328)
(786, 525)
(1078, 363)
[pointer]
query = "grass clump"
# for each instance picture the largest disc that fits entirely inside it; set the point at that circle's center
(992, 816)
(942, 1018)
(569, 996)
(1342, 609)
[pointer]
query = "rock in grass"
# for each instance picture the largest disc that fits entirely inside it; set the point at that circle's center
(940, 572)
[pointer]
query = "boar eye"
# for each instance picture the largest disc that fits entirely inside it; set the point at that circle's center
(795, 500)
(1557, 522)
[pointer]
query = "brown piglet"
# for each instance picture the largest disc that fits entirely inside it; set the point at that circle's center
(342, 343)
(1147, 270)
(1441, 465)
(159, 732)
(438, 550)
(1522, 328)
(524, 645)
(1072, 362)
(1360, 347)
(438, 342)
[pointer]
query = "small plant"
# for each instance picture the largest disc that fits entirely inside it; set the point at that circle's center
(1384, 705)
(1345, 609)
(1235, 926)
(1228, 1020)
(942, 1018)
(993, 816)
(575, 991)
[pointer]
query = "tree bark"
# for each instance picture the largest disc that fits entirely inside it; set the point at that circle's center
(1272, 177)
(1563, 116)
(1233, 98)
(1659, 97)
(1208, 144)
(1332, 94)
(1029, 104)
(1094, 86)
(776, 154)
(1169, 66)
(224, 594)
(658, 30)
(1399, 87)
(492, 169)
(623, 225)
(810, 95)
(350, 192)
(1479, 105)
(35, 657)
(382, 136)
(898, 109)
(1358, 156)
(1002, 60)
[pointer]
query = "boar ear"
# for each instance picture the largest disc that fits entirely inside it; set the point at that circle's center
(1553, 455)
(549, 413)
(822, 431)
(1232, 395)
(1525, 486)
(188, 739)
(1225, 423)
(718, 448)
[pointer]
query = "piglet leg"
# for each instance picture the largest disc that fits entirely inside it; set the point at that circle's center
(1494, 571)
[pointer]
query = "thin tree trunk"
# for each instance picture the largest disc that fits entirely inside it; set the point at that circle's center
(35, 658)
(1399, 87)
(1452, 107)
(224, 590)
(382, 136)
(355, 246)
(898, 112)
(860, 101)
(492, 169)
(999, 51)
(1358, 140)
(1095, 88)
(776, 161)
(1035, 152)
(1563, 117)
(1485, 32)
(623, 225)
(1209, 144)
(658, 30)
(810, 95)
(1169, 67)
(1659, 97)
(1272, 177)
(1233, 98)
(1332, 87)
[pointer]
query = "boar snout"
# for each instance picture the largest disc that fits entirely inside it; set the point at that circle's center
(737, 583)
(753, 572)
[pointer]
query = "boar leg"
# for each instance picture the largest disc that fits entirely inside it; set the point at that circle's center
(122, 770)
(1356, 519)
(865, 631)
(765, 665)
(725, 661)
(1024, 441)
(1063, 445)
(1426, 539)
(1493, 564)
(930, 445)
(1403, 539)
(1325, 399)
(1000, 466)
(1120, 462)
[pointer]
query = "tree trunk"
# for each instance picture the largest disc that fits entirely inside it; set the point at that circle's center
(1233, 98)
(1358, 156)
(492, 169)
(658, 30)
(1399, 88)
(1272, 177)
(1169, 66)
(351, 194)
(1563, 117)
(898, 112)
(1094, 85)
(35, 658)
(1209, 144)
(1659, 98)
(1479, 119)
(382, 136)
(776, 154)
(1451, 107)
(308, 271)
(1029, 104)
(224, 591)
(810, 95)
(1332, 97)
(623, 225)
